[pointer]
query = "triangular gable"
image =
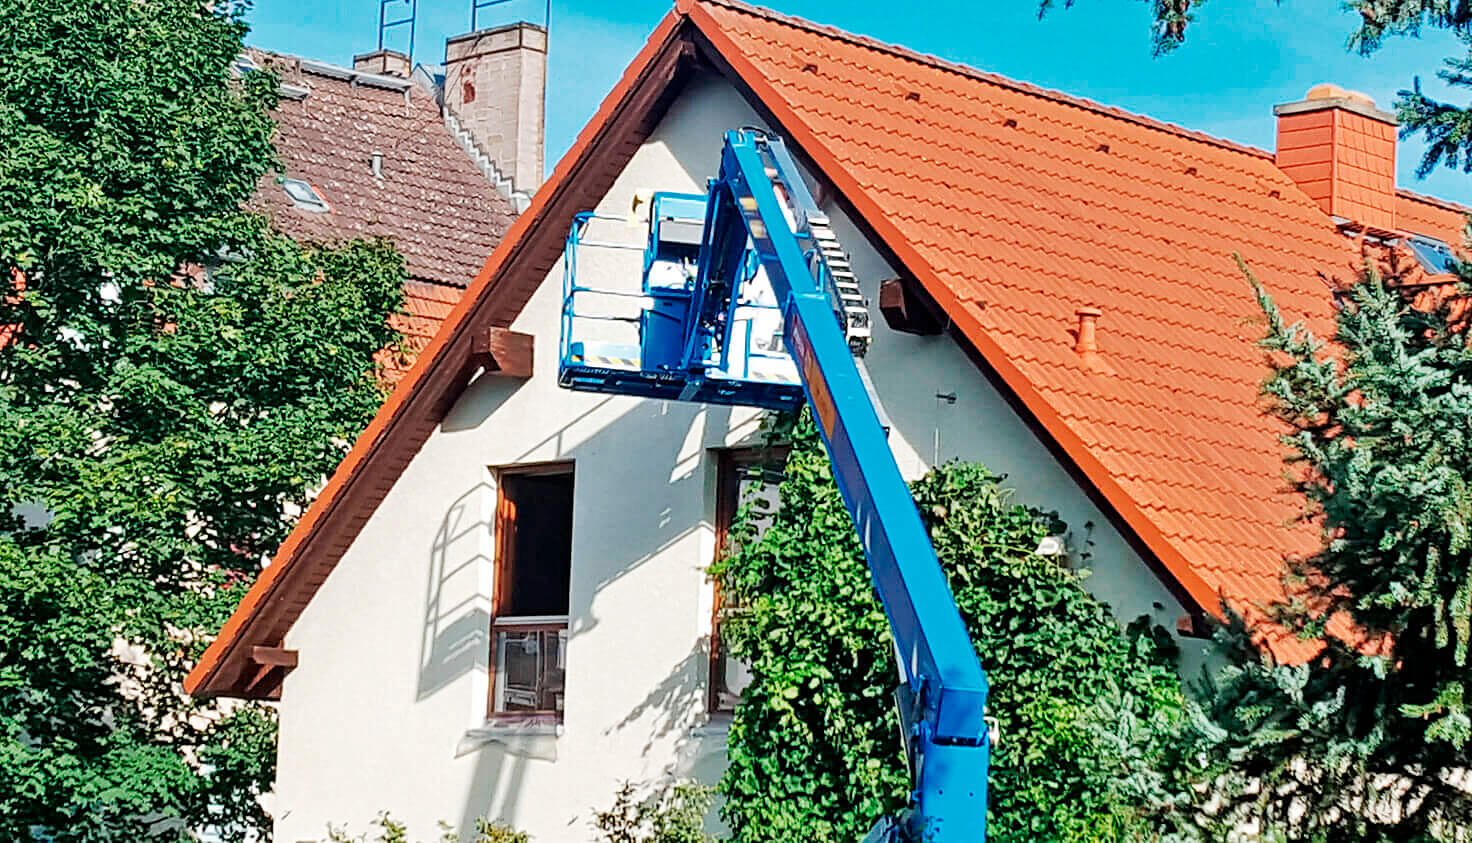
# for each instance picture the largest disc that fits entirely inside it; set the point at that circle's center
(404, 423)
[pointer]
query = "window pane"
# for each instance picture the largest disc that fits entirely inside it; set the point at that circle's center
(732, 677)
(529, 670)
(761, 495)
(538, 546)
(751, 483)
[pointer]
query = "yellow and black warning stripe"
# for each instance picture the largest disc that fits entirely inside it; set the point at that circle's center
(610, 362)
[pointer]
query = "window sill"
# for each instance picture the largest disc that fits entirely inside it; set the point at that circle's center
(530, 736)
(519, 725)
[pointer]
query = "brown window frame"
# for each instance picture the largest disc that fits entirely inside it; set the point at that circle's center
(731, 464)
(504, 550)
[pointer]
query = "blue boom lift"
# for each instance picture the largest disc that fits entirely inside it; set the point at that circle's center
(747, 299)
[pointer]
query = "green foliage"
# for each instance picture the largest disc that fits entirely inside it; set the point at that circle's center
(1379, 19)
(1446, 128)
(1367, 740)
(674, 815)
(391, 830)
(1168, 22)
(174, 383)
(814, 745)
(494, 832)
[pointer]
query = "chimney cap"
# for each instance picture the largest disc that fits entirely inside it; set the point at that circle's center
(1327, 95)
(1330, 91)
(523, 34)
(384, 62)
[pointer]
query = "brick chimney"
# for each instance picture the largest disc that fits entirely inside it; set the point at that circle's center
(495, 85)
(384, 63)
(1340, 149)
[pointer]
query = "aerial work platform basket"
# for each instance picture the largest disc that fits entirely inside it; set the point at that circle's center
(744, 296)
(623, 339)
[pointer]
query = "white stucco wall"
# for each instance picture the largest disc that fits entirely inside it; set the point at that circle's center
(386, 711)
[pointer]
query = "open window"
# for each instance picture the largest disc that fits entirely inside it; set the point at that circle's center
(744, 476)
(530, 598)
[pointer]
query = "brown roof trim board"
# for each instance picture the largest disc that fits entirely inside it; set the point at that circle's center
(1195, 609)
(406, 420)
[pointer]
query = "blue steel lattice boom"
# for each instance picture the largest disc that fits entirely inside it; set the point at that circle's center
(764, 257)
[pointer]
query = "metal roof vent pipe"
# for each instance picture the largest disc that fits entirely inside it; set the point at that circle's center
(376, 162)
(1086, 337)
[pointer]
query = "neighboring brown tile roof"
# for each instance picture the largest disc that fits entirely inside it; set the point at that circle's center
(433, 202)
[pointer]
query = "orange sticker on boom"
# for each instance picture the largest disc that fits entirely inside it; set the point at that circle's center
(817, 387)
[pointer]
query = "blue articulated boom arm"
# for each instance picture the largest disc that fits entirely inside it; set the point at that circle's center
(759, 204)
(760, 194)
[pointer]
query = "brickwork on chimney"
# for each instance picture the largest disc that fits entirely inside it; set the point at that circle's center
(495, 84)
(384, 63)
(1340, 150)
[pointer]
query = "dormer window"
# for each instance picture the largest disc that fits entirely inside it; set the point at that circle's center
(305, 196)
(1435, 256)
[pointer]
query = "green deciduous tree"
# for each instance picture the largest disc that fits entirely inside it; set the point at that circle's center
(814, 746)
(175, 380)
(1370, 739)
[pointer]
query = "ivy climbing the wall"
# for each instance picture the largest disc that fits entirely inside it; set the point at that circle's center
(814, 745)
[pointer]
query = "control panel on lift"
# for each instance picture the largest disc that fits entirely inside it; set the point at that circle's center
(740, 359)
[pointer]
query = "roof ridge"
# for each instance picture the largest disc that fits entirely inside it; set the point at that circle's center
(1433, 200)
(987, 76)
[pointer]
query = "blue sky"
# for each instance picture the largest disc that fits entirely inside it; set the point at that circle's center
(1240, 58)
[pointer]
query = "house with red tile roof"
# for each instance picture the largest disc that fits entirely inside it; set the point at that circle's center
(385, 149)
(498, 604)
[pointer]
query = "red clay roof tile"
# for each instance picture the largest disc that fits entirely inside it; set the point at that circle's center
(1038, 217)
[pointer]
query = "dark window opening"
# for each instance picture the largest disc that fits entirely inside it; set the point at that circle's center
(536, 563)
(533, 576)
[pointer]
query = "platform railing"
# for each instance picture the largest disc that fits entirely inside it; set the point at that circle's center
(580, 300)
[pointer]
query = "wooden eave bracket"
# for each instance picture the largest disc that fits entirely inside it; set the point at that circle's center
(907, 309)
(269, 666)
(502, 353)
(1193, 625)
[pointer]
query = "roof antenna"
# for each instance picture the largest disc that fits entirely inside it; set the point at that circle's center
(477, 5)
(384, 24)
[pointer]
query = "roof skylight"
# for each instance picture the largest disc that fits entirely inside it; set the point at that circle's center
(1435, 256)
(305, 196)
